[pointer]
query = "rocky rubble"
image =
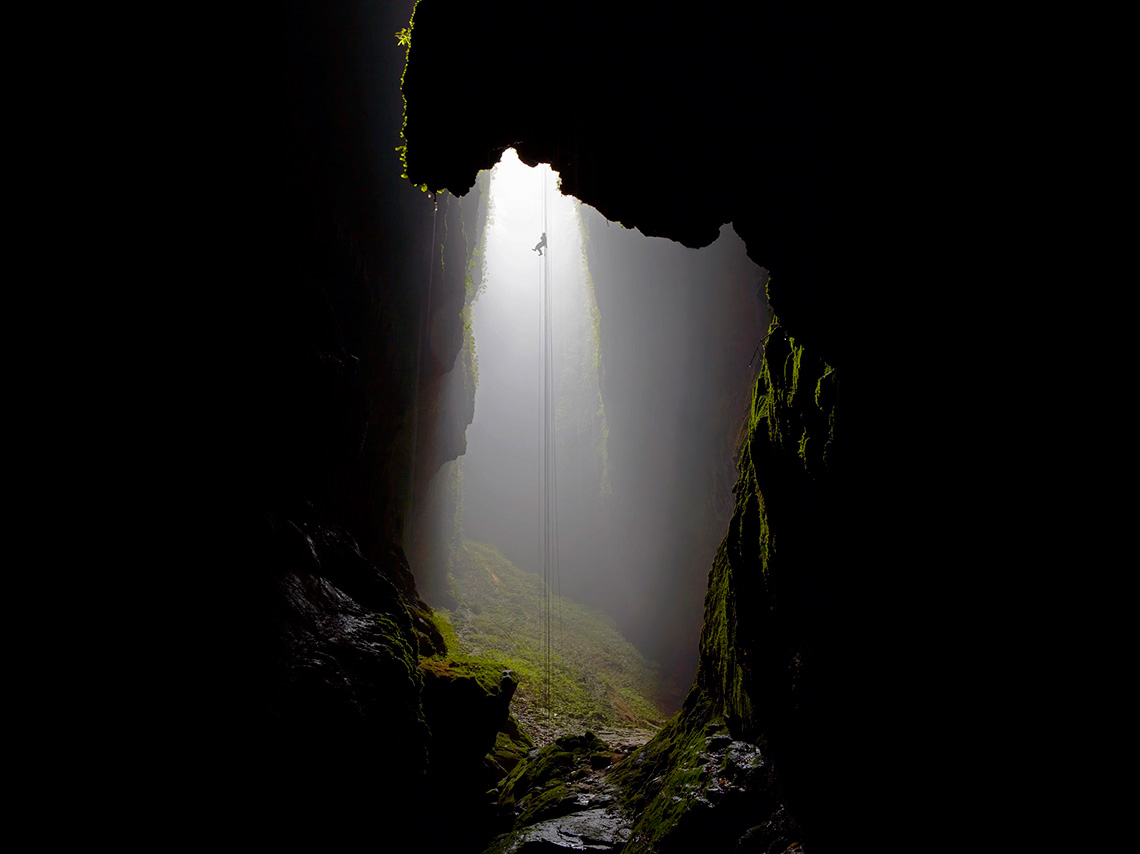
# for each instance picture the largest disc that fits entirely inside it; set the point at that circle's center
(560, 799)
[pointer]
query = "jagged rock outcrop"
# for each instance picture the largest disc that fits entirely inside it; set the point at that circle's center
(331, 689)
(558, 799)
(756, 691)
(466, 705)
(467, 708)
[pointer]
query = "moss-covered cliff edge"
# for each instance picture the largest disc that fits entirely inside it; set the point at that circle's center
(756, 682)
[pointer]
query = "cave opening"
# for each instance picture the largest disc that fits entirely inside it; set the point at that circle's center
(652, 365)
(344, 373)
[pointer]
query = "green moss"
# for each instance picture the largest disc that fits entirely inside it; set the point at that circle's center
(544, 804)
(404, 39)
(597, 676)
(793, 403)
(470, 357)
(487, 674)
(443, 626)
(754, 654)
(511, 747)
(394, 637)
(537, 788)
(658, 782)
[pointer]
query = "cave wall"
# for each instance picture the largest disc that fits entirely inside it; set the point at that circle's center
(675, 134)
(299, 709)
(303, 272)
(765, 629)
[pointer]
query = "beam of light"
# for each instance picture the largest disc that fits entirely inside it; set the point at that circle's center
(683, 327)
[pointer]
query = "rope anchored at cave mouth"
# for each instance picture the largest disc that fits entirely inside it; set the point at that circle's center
(547, 473)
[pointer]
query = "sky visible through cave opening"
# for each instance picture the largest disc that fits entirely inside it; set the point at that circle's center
(651, 382)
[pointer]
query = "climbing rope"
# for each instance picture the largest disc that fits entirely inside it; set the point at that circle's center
(548, 472)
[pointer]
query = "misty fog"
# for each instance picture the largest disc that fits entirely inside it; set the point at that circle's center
(651, 383)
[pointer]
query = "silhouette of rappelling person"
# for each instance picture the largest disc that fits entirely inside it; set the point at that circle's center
(541, 243)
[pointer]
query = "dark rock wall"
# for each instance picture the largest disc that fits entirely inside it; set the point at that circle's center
(308, 306)
(304, 284)
(661, 119)
(765, 617)
(446, 401)
(467, 707)
(675, 125)
(765, 630)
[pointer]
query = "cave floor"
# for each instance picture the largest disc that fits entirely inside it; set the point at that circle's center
(543, 729)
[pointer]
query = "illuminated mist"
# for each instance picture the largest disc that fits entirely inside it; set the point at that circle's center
(652, 343)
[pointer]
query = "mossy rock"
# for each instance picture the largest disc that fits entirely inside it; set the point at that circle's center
(537, 788)
(511, 747)
(465, 703)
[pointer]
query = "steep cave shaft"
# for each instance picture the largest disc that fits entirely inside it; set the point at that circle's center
(348, 426)
(651, 378)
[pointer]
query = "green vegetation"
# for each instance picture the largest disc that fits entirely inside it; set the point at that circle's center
(794, 401)
(537, 787)
(658, 786)
(404, 39)
(751, 669)
(473, 288)
(784, 460)
(485, 673)
(597, 676)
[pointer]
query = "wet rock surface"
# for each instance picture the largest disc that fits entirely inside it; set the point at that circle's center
(721, 796)
(696, 788)
(334, 683)
(560, 799)
(590, 830)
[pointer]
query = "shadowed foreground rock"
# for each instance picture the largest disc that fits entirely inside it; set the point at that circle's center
(589, 830)
(559, 799)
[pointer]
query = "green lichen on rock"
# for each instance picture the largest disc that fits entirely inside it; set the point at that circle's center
(466, 705)
(537, 788)
(655, 778)
(773, 545)
(757, 646)
(404, 39)
(511, 747)
(696, 788)
(487, 675)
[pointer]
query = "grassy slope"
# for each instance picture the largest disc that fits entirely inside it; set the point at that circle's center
(598, 678)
